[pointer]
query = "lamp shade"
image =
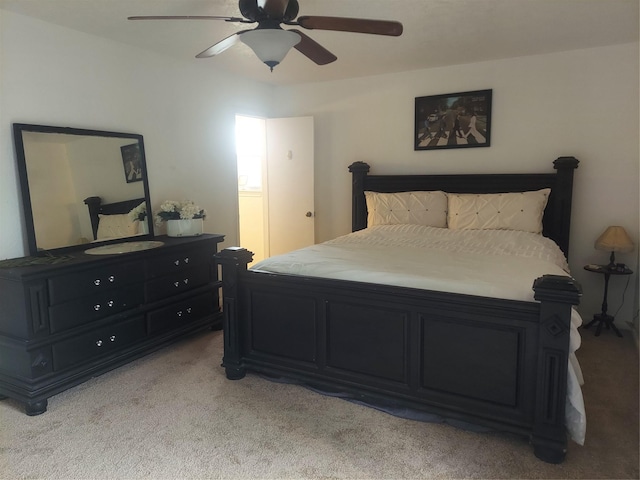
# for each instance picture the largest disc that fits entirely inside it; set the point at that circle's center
(270, 45)
(614, 239)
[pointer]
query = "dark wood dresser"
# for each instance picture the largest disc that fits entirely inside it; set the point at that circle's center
(65, 323)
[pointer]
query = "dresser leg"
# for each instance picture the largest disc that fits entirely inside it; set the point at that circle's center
(36, 408)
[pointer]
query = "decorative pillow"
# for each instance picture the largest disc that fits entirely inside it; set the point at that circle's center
(498, 211)
(116, 226)
(415, 208)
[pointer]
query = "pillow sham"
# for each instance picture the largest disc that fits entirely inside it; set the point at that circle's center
(427, 208)
(116, 226)
(498, 211)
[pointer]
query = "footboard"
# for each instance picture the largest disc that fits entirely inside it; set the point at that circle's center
(492, 362)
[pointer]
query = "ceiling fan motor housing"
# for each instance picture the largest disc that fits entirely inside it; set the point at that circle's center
(251, 11)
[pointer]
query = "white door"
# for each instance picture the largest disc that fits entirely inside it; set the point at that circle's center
(290, 203)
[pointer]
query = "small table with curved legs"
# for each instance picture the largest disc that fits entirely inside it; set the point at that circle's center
(603, 318)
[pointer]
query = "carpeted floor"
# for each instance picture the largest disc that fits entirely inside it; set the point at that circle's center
(173, 414)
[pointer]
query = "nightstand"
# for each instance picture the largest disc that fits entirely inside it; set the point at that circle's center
(603, 318)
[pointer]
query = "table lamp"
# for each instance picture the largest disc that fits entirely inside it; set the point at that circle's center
(614, 239)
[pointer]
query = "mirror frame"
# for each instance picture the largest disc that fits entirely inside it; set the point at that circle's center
(18, 129)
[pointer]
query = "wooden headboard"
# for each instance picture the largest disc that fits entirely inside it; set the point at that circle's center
(557, 216)
(96, 207)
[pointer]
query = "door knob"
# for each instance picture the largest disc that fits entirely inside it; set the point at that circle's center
(308, 214)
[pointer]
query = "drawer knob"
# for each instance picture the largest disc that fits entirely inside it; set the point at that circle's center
(177, 262)
(186, 260)
(112, 278)
(110, 303)
(99, 343)
(176, 284)
(112, 338)
(186, 280)
(96, 282)
(180, 313)
(96, 307)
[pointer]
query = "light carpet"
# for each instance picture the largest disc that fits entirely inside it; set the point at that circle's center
(174, 415)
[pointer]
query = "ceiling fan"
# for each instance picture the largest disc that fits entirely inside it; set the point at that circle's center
(271, 42)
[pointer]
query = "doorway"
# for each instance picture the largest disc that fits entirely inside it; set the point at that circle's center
(275, 184)
(251, 151)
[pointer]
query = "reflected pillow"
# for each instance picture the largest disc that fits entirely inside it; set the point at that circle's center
(116, 226)
(428, 208)
(498, 211)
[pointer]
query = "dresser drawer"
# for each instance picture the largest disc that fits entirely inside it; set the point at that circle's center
(96, 344)
(95, 280)
(178, 261)
(178, 282)
(181, 313)
(90, 308)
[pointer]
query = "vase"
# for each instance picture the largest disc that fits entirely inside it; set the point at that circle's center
(143, 227)
(184, 228)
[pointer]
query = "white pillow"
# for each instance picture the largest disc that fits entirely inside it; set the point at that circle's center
(116, 226)
(498, 211)
(428, 208)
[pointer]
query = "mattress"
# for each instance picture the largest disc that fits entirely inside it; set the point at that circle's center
(488, 263)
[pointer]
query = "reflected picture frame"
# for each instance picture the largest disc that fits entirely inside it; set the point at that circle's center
(131, 162)
(453, 120)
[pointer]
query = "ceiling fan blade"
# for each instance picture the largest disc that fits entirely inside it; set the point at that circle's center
(274, 8)
(357, 25)
(187, 17)
(313, 50)
(221, 46)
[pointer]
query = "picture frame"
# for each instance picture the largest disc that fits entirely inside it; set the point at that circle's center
(131, 162)
(453, 120)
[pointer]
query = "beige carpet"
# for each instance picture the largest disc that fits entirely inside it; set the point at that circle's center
(174, 415)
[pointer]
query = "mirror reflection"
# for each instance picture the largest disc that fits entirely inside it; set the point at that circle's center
(81, 187)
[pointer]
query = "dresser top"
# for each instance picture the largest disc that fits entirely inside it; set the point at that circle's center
(80, 259)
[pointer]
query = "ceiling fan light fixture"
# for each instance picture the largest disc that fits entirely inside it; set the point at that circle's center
(270, 45)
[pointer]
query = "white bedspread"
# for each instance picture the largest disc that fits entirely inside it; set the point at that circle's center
(489, 263)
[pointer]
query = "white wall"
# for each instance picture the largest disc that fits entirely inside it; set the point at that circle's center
(582, 103)
(185, 110)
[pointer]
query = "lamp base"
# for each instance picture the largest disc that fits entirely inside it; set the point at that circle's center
(603, 319)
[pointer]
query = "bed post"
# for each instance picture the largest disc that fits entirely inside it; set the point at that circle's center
(93, 204)
(234, 261)
(359, 172)
(557, 295)
(562, 193)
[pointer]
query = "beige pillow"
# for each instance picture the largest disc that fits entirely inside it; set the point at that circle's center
(498, 211)
(415, 208)
(116, 226)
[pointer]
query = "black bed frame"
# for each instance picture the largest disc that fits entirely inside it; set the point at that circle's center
(491, 362)
(96, 208)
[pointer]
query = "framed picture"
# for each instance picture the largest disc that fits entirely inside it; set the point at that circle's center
(453, 120)
(131, 162)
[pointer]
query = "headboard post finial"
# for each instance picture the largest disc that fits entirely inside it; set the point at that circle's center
(359, 172)
(359, 167)
(566, 162)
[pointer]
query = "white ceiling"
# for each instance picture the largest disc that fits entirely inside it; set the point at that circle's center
(436, 32)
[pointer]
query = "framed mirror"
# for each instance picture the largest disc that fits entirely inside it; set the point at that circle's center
(81, 188)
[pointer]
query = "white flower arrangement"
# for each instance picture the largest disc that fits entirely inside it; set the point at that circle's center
(138, 213)
(185, 210)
